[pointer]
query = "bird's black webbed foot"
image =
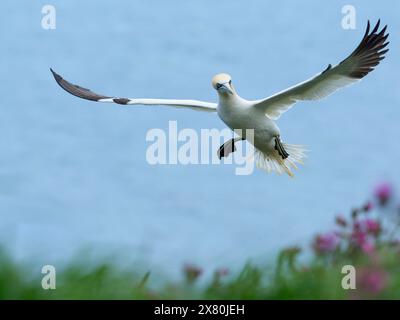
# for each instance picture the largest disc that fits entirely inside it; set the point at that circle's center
(227, 148)
(279, 147)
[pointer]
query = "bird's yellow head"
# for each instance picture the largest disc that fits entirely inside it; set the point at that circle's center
(222, 82)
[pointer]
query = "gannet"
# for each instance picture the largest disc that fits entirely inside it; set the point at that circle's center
(271, 154)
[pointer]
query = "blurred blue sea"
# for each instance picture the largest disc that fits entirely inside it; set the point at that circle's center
(73, 173)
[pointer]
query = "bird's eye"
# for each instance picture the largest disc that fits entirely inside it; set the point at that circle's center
(230, 82)
(218, 85)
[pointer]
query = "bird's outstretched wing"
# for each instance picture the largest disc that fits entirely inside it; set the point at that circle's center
(364, 58)
(90, 95)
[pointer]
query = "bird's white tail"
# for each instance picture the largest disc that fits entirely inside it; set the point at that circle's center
(276, 163)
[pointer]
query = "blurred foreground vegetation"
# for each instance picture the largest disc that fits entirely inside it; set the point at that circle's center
(366, 239)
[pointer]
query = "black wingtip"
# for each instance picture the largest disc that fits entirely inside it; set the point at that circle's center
(56, 76)
(370, 50)
(79, 91)
(376, 27)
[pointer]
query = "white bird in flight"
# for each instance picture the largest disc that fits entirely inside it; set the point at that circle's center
(271, 154)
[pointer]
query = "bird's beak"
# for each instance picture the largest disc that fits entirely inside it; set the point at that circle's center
(226, 88)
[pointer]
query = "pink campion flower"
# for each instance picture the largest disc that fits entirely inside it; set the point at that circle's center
(383, 193)
(367, 247)
(341, 221)
(221, 272)
(363, 232)
(191, 272)
(372, 280)
(359, 237)
(326, 242)
(361, 240)
(372, 226)
(218, 274)
(368, 225)
(368, 206)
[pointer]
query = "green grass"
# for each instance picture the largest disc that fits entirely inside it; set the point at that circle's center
(318, 279)
(367, 240)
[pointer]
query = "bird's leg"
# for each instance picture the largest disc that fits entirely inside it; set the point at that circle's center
(228, 147)
(279, 147)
